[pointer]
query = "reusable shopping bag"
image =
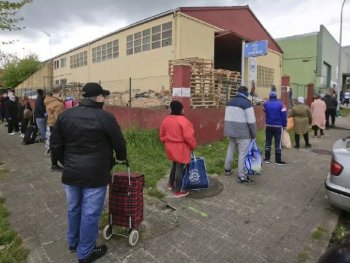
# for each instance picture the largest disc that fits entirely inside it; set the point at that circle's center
(252, 161)
(195, 174)
(286, 143)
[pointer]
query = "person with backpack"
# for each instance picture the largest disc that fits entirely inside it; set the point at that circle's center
(25, 114)
(54, 106)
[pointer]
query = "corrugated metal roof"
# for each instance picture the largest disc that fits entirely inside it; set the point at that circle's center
(238, 19)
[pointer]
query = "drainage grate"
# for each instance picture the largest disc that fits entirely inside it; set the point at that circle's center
(215, 187)
(323, 152)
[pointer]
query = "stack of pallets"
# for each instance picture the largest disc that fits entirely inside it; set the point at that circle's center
(209, 87)
(226, 85)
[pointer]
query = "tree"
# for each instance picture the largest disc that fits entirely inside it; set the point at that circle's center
(9, 22)
(18, 71)
(8, 14)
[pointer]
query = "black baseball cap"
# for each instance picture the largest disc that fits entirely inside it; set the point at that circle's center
(93, 89)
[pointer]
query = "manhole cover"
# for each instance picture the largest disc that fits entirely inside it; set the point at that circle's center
(215, 187)
(320, 151)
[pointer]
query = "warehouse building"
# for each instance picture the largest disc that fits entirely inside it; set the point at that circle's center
(139, 54)
(313, 59)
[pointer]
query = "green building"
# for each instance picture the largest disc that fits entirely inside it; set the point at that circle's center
(313, 58)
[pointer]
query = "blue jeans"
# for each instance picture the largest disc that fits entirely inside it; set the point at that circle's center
(84, 210)
(41, 123)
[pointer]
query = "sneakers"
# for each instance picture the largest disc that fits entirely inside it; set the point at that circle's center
(181, 194)
(266, 160)
(228, 172)
(96, 253)
(73, 249)
(56, 167)
(22, 135)
(11, 133)
(280, 163)
(308, 145)
(244, 179)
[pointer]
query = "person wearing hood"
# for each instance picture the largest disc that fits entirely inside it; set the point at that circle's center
(54, 106)
(240, 129)
(275, 122)
(177, 134)
(302, 119)
(85, 139)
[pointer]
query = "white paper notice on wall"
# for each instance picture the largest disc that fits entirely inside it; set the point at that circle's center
(181, 92)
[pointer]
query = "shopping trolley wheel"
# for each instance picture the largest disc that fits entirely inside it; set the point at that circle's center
(107, 232)
(133, 237)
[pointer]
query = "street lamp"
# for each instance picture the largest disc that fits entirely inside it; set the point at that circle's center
(339, 55)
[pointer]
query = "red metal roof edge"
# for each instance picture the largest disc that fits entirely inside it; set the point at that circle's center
(232, 7)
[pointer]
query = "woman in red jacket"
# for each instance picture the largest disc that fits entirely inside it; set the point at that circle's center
(177, 134)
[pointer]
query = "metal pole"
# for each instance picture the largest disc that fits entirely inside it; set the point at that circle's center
(339, 86)
(243, 65)
(130, 92)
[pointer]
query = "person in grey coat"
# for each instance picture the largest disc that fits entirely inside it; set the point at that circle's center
(240, 128)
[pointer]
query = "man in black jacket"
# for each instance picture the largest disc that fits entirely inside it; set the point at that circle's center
(83, 140)
(40, 114)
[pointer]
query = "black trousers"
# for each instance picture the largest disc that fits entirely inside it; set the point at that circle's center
(297, 139)
(276, 134)
(176, 174)
(330, 113)
(316, 128)
(53, 158)
(24, 124)
(12, 126)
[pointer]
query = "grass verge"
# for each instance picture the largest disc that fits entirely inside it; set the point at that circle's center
(344, 112)
(342, 228)
(11, 246)
(146, 155)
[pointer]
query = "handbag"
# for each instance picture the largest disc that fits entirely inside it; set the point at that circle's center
(290, 123)
(253, 160)
(195, 174)
(286, 143)
(27, 113)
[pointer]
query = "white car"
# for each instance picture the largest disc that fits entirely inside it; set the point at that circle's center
(338, 179)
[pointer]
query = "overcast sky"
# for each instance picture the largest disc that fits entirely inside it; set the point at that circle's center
(55, 26)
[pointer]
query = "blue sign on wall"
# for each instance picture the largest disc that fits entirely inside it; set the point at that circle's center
(255, 49)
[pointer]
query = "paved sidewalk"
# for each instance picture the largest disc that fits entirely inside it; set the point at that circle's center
(270, 221)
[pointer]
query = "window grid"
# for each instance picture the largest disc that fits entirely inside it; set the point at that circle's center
(78, 60)
(265, 77)
(63, 62)
(152, 38)
(105, 51)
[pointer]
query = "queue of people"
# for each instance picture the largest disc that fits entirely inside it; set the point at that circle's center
(84, 140)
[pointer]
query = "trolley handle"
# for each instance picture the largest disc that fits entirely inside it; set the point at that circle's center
(126, 163)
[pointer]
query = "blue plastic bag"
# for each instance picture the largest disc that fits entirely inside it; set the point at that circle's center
(253, 160)
(195, 174)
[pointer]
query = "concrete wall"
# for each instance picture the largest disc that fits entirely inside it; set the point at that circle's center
(328, 54)
(194, 38)
(299, 57)
(208, 123)
(40, 79)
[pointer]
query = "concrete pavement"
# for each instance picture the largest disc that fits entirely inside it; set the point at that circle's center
(283, 217)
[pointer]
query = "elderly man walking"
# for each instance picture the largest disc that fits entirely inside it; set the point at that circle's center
(240, 128)
(84, 140)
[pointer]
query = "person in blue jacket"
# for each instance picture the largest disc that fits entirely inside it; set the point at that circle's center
(275, 122)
